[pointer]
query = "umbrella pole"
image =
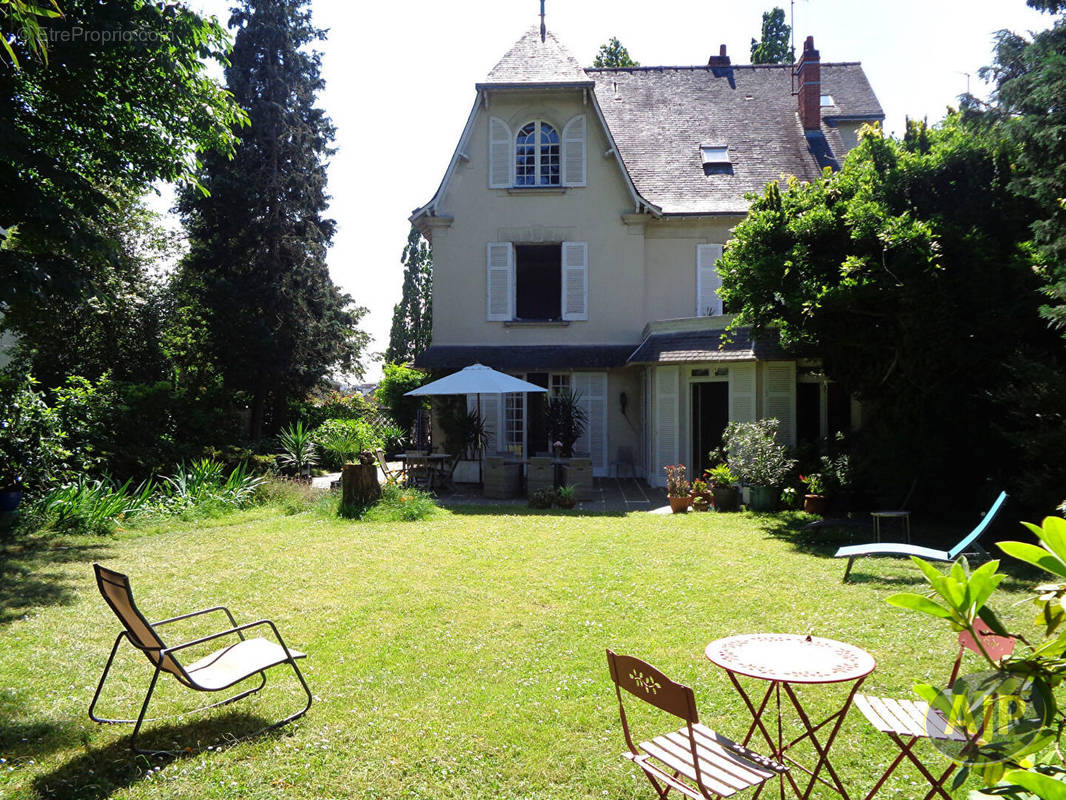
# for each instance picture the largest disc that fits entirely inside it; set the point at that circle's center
(481, 454)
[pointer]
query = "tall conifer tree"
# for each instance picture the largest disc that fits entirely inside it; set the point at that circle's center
(412, 317)
(257, 263)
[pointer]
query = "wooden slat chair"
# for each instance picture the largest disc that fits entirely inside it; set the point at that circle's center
(694, 760)
(906, 722)
(391, 475)
(417, 471)
(216, 672)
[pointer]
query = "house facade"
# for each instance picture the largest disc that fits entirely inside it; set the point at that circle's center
(575, 235)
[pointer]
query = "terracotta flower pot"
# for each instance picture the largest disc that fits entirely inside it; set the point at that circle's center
(679, 504)
(814, 504)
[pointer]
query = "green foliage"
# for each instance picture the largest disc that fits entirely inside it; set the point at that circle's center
(204, 486)
(566, 496)
(412, 318)
(256, 277)
(32, 439)
(753, 453)
(297, 449)
(721, 475)
(465, 432)
(397, 380)
(542, 498)
(20, 22)
(332, 405)
(289, 496)
(566, 420)
(612, 55)
(397, 504)
(94, 507)
(815, 482)
(886, 270)
(125, 99)
(340, 441)
(773, 47)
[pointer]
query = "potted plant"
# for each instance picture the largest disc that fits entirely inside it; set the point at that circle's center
(566, 496)
(700, 503)
(465, 435)
(723, 488)
(700, 488)
(566, 421)
(790, 497)
(678, 488)
(758, 459)
(814, 501)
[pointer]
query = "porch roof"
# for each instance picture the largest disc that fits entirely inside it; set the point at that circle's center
(529, 357)
(706, 345)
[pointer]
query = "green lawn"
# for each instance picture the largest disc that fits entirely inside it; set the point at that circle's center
(459, 657)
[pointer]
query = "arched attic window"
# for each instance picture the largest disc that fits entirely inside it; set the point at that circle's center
(537, 155)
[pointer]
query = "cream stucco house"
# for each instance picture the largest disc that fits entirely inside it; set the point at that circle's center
(575, 235)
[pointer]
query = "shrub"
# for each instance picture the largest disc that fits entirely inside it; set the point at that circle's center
(297, 448)
(399, 380)
(754, 454)
(32, 439)
(339, 441)
(542, 498)
(204, 486)
(92, 506)
(397, 504)
(290, 496)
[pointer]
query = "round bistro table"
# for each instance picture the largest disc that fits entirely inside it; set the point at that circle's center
(785, 660)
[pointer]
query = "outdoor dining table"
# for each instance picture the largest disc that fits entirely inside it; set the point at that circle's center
(784, 661)
(434, 461)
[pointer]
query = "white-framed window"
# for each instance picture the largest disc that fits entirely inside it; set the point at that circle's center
(537, 150)
(514, 422)
(559, 384)
(537, 282)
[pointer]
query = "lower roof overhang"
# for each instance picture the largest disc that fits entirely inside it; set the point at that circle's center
(695, 346)
(526, 358)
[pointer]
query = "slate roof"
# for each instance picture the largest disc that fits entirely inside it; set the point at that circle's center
(532, 357)
(718, 345)
(531, 61)
(659, 116)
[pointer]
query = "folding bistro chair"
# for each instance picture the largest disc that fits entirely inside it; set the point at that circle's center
(213, 673)
(906, 722)
(391, 475)
(694, 760)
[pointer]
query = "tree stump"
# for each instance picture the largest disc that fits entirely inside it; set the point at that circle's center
(359, 484)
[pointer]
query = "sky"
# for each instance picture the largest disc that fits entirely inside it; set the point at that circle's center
(400, 84)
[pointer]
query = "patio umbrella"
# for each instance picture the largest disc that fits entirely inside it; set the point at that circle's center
(476, 379)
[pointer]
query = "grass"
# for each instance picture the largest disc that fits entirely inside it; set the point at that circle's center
(457, 657)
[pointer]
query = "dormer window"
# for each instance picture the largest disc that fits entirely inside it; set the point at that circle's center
(715, 155)
(537, 155)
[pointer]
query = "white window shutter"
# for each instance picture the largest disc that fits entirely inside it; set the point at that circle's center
(500, 281)
(708, 281)
(501, 155)
(591, 388)
(742, 392)
(779, 398)
(574, 149)
(575, 300)
(667, 420)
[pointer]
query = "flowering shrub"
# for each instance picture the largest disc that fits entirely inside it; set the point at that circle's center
(677, 484)
(754, 453)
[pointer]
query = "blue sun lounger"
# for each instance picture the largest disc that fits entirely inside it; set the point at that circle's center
(902, 550)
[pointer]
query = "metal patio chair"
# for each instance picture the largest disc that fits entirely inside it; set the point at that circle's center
(694, 760)
(906, 722)
(216, 672)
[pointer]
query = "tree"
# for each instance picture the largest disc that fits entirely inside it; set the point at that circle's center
(275, 322)
(1029, 106)
(20, 23)
(125, 99)
(909, 272)
(412, 317)
(613, 54)
(774, 47)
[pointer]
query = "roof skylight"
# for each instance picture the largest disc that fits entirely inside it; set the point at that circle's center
(715, 154)
(827, 100)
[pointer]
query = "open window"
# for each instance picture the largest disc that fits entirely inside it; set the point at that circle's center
(537, 282)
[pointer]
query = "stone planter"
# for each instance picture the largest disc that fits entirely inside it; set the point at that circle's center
(466, 472)
(726, 498)
(763, 498)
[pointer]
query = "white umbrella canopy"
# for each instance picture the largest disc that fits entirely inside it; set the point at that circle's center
(477, 379)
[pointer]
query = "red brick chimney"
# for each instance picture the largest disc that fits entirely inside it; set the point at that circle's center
(809, 75)
(720, 60)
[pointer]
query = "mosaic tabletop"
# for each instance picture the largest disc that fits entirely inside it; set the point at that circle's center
(792, 658)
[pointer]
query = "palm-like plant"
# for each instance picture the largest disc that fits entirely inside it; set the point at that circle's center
(297, 448)
(566, 420)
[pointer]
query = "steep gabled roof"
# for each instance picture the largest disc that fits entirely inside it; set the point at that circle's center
(661, 115)
(531, 61)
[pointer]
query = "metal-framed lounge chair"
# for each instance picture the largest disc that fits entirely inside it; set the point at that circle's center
(970, 541)
(695, 761)
(906, 722)
(216, 672)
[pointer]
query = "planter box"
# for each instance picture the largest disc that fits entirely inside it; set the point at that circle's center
(763, 498)
(466, 472)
